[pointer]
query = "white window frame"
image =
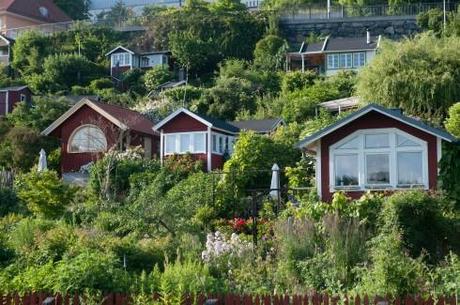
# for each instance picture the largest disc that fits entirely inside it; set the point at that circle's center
(359, 59)
(124, 59)
(392, 151)
(346, 60)
(69, 144)
(216, 138)
(177, 150)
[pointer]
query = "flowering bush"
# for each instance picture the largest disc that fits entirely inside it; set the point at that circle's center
(219, 248)
(238, 224)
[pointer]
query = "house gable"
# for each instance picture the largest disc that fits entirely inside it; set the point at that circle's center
(373, 120)
(184, 123)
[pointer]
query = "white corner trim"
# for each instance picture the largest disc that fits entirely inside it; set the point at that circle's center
(438, 152)
(209, 149)
(7, 102)
(318, 170)
(161, 147)
(325, 43)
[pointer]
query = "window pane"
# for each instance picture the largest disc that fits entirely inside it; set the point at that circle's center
(199, 142)
(214, 143)
(410, 168)
(221, 144)
(405, 142)
(346, 170)
(378, 169)
(170, 144)
(184, 143)
(88, 139)
(351, 144)
(377, 140)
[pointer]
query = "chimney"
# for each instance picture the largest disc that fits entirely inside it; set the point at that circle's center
(368, 36)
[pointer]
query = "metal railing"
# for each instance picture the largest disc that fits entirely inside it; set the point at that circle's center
(317, 12)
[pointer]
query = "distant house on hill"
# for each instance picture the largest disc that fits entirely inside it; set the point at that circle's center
(375, 149)
(23, 13)
(206, 138)
(123, 59)
(90, 128)
(10, 96)
(334, 54)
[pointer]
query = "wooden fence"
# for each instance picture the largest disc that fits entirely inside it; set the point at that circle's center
(233, 299)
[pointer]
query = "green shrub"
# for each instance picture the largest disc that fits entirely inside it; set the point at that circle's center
(157, 76)
(391, 272)
(410, 212)
(9, 202)
(44, 193)
(100, 83)
(297, 80)
(453, 121)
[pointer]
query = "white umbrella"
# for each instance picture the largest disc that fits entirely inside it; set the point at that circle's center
(275, 184)
(42, 163)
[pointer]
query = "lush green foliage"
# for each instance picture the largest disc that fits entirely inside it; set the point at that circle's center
(269, 53)
(44, 193)
(418, 75)
(453, 120)
(157, 76)
(75, 9)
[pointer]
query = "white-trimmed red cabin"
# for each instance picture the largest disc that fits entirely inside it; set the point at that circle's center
(205, 138)
(90, 128)
(375, 148)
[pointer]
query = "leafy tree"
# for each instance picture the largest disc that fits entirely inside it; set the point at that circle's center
(118, 15)
(20, 148)
(297, 80)
(453, 120)
(270, 52)
(44, 193)
(10, 202)
(45, 111)
(418, 75)
(431, 20)
(62, 71)
(157, 76)
(200, 35)
(75, 9)
(449, 173)
(228, 97)
(30, 50)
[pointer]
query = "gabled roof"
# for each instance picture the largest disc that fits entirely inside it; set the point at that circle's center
(339, 44)
(13, 88)
(392, 113)
(124, 118)
(135, 51)
(260, 126)
(42, 10)
(206, 120)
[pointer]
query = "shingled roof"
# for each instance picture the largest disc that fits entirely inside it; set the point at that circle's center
(341, 44)
(41, 10)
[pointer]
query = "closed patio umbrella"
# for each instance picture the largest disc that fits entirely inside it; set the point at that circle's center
(275, 184)
(42, 163)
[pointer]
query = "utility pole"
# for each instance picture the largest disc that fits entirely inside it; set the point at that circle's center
(329, 9)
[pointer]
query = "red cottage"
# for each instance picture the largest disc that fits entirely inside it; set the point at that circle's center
(10, 96)
(375, 149)
(206, 138)
(90, 128)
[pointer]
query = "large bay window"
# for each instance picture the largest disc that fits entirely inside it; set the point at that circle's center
(378, 159)
(182, 143)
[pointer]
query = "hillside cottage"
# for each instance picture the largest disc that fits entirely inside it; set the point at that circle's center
(90, 128)
(123, 59)
(375, 149)
(334, 54)
(11, 96)
(205, 138)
